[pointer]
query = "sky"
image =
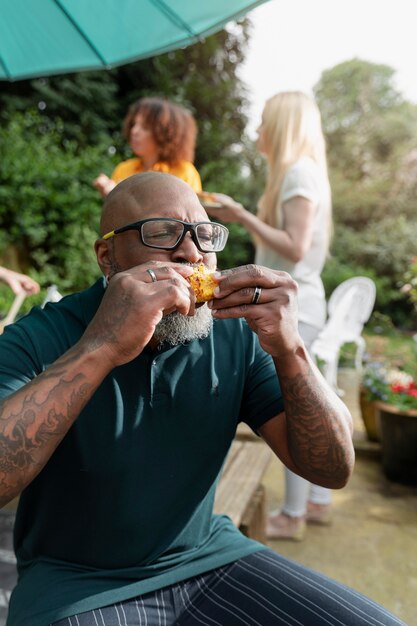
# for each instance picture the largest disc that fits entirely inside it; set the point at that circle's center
(293, 41)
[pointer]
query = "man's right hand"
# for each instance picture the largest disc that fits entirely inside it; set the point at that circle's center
(132, 307)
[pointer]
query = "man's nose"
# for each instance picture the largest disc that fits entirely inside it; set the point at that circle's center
(187, 251)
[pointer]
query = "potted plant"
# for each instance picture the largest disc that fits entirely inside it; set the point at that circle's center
(392, 393)
(373, 388)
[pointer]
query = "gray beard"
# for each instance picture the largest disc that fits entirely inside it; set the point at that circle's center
(176, 328)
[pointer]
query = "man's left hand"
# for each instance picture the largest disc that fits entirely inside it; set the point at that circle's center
(267, 299)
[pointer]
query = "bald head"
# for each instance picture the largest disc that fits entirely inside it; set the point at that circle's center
(140, 194)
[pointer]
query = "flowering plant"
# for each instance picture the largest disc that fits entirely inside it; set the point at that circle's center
(390, 385)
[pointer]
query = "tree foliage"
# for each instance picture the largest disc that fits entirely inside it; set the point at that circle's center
(371, 138)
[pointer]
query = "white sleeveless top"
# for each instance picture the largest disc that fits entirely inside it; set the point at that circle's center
(306, 180)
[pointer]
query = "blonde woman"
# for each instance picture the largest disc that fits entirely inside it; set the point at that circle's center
(291, 232)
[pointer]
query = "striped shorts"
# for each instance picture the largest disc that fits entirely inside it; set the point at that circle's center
(263, 589)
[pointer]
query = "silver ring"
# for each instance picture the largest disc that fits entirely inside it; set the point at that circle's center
(256, 295)
(152, 275)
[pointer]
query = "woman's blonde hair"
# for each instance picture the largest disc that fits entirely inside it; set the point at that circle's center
(291, 129)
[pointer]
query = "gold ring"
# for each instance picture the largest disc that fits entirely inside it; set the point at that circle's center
(152, 275)
(256, 295)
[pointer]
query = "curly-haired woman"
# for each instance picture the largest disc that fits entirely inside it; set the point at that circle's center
(162, 136)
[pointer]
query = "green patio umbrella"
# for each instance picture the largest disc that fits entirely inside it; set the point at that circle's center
(43, 37)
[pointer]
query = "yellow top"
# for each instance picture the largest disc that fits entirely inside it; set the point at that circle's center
(183, 169)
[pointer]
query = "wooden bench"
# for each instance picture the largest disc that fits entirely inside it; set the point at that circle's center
(240, 493)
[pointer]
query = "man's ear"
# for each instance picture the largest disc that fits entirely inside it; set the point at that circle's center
(103, 254)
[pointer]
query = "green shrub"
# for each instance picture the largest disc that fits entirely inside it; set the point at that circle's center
(381, 251)
(49, 211)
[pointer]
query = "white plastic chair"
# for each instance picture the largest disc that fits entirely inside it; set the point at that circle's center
(13, 311)
(52, 295)
(349, 308)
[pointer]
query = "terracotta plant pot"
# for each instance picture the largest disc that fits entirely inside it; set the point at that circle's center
(369, 413)
(398, 443)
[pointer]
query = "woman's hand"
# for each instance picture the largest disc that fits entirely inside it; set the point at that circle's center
(230, 211)
(104, 184)
(19, 282)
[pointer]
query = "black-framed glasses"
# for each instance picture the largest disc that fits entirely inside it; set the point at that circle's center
(168, 234)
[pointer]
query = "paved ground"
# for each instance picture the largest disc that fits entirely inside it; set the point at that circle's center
(372, 543)
(371, 546)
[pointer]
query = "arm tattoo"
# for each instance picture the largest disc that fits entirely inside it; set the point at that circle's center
(316, 433)
(106, 330)
(34, 420)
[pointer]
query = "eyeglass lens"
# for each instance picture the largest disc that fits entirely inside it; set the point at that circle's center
(167, 233)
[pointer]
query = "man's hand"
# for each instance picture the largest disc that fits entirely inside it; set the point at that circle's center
(313, 436)
(273, 317)
(133, 305)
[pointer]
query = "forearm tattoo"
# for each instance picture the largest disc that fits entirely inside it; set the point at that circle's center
(316, 430)
(34, 420)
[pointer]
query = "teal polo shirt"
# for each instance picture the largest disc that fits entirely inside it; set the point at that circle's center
(125, 504)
